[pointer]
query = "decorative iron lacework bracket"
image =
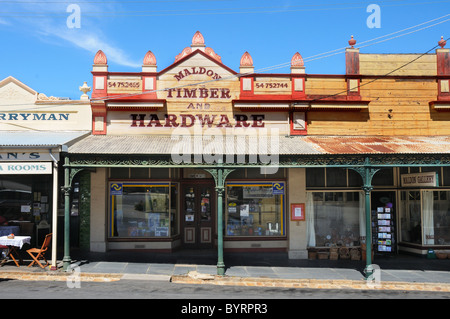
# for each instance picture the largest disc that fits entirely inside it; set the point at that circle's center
(219, 174)
(367, 174)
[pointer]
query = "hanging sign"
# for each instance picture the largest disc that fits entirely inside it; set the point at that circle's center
(427, 179)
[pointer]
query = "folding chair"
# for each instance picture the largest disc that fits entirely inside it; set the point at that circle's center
(39, 253)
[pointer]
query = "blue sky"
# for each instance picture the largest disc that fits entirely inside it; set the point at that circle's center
(41, 50)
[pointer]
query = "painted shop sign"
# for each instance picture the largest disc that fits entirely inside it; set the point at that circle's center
(27, 156)
(196, 70)
(22, 168)
(189, 120)
(428, 179)
(34, 116)
(124, 85)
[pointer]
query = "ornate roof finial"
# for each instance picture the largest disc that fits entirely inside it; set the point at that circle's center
(100, 58)
(198, 40)
(246, 59)
(352, 42)
(149, 59)
(85, 89)
(297, 60)
(442, 42)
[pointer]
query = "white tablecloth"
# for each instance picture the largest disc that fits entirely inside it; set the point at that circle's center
(17, 241)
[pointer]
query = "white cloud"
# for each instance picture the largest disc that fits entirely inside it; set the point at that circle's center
(91, 42)
(50, 27)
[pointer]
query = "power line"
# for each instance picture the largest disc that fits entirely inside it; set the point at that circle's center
(314, 57)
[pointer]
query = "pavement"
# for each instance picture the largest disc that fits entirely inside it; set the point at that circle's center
(396, 272)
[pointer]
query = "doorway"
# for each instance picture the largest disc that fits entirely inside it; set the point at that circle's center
(198, 215)
(383, 206)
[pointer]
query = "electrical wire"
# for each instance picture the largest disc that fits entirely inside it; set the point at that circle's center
(315, 57)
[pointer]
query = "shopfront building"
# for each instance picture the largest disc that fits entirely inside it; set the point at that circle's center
(34, 131)
(198, 155)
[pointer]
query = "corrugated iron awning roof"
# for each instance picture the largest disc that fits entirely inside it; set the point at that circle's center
(380, 144)
(282, 145)
(38, 138)
(162, 144)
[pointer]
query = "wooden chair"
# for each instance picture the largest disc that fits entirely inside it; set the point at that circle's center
(39, 253)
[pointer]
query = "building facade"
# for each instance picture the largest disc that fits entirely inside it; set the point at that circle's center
(197, 155)
(35, 130)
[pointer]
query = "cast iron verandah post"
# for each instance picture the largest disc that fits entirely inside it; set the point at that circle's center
(220, 175)
(367, 174)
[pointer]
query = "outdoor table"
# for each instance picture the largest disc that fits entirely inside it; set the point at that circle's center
(12, 243)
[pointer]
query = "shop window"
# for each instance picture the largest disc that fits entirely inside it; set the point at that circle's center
(410, 217)
(142, 210)
(440, 219)
(335, 218)
(425, 217)
(255, 209)
(25, 198)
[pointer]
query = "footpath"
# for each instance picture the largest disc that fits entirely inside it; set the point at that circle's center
(397, 272)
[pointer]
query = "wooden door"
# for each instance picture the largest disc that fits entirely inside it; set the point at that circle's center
(198, 212)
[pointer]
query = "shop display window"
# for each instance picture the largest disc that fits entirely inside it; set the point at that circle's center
(255, 209)
(334, 219)
(425, 217)
(143, 209)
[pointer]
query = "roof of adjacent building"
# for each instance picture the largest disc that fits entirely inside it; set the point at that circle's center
(12, 139)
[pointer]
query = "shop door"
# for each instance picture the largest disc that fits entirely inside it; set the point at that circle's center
(198, 215)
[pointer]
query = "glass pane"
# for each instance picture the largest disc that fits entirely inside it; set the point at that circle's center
(120, 172)
(336, 177)
(254, 210)
(315, 177)
(384, 177)
(140, 210)
(16, 193)
(410, 218)
(441, 218)
(189, 204)
(336, 219)
(173, 210)
(139, 173)
(205, 204)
